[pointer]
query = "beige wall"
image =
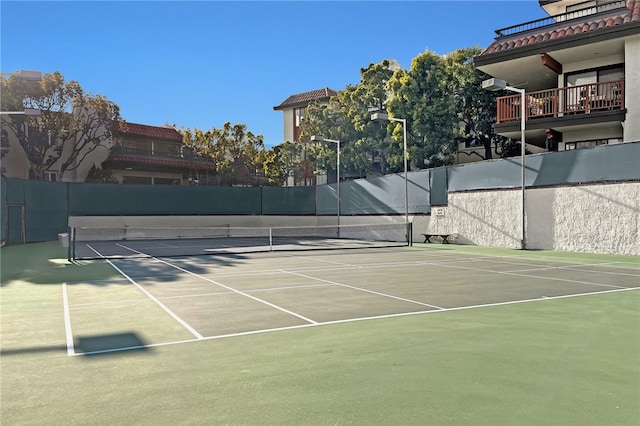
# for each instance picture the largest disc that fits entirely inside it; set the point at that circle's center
(15, 163)
(287, 130)
(600, 218)
(632, 89)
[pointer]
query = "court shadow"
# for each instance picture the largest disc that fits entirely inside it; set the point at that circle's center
(110, 344)
(33, 350)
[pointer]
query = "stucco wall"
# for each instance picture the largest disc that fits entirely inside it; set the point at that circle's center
(587, 218)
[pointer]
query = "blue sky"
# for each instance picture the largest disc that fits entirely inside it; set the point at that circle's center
(199, 64)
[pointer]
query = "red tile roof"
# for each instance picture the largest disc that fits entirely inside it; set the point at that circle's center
(306, 97)
(151, 131)
(597, 22)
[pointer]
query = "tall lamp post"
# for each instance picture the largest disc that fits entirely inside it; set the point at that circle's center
(495, 84)
(315, 138)
(376, 116)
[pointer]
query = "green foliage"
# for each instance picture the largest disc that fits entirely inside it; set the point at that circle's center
(282, 161)
(73, 123)
(365, 148)
(232, 147)
(441, 98)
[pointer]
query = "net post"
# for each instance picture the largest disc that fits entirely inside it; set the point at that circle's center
(270, 240)
(72, 242)
(69, 254)
(409, 234)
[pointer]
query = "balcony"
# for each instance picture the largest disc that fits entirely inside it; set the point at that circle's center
(568, 17)
(554, 103)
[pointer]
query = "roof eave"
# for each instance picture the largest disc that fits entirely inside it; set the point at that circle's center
(629, 29)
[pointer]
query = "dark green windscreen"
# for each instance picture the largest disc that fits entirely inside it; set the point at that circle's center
(295, 200)
(114, 199)
(45, 210)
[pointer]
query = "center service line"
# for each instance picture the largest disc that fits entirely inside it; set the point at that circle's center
(159, 303)
(257, 299)
(364, 290)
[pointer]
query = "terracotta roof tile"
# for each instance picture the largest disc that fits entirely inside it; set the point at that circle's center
(306, 97)
(617, 17)
(151, 131)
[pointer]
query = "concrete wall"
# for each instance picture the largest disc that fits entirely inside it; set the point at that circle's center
(222, 220)
(602, 218)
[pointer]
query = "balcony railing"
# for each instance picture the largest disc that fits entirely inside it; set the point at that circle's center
(563, 17)
(582, 99)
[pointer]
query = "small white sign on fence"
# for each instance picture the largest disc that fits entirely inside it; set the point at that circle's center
(438, 211)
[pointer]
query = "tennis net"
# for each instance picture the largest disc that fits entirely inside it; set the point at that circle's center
(126, 241)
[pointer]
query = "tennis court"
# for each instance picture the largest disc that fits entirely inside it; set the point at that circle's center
(210, 297)
(422, 334)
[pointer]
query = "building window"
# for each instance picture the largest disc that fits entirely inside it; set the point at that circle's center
(50, 176)
(600, 75)
(165, 181)
(568, 146)
(137, 180)
(137, 146)
(299, 114)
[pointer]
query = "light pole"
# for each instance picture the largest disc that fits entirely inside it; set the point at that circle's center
(315, 138)
(382, 116)
(495, 84)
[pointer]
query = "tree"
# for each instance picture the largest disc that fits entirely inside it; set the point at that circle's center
(444, 103)
(73, 123)
(282, 161)
(365, 148)
(232, 148)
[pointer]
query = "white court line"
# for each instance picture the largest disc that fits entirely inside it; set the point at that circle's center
(344, 321)
(228, 288)
(541, 257)
(527, 275)
(571, 267)
(364, 290)
(156, 301)
(218, 293)
(315, 259)
(67, 321)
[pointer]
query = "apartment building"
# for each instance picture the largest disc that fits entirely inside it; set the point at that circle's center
(144, 154)
(580, 68)
(293, 109)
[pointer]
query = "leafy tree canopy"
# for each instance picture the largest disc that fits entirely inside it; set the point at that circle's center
(73, 123)
(231, 147)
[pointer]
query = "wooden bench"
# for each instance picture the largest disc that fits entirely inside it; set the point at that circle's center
(445, 237)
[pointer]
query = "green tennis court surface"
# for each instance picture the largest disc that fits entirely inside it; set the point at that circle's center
(407, 335)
